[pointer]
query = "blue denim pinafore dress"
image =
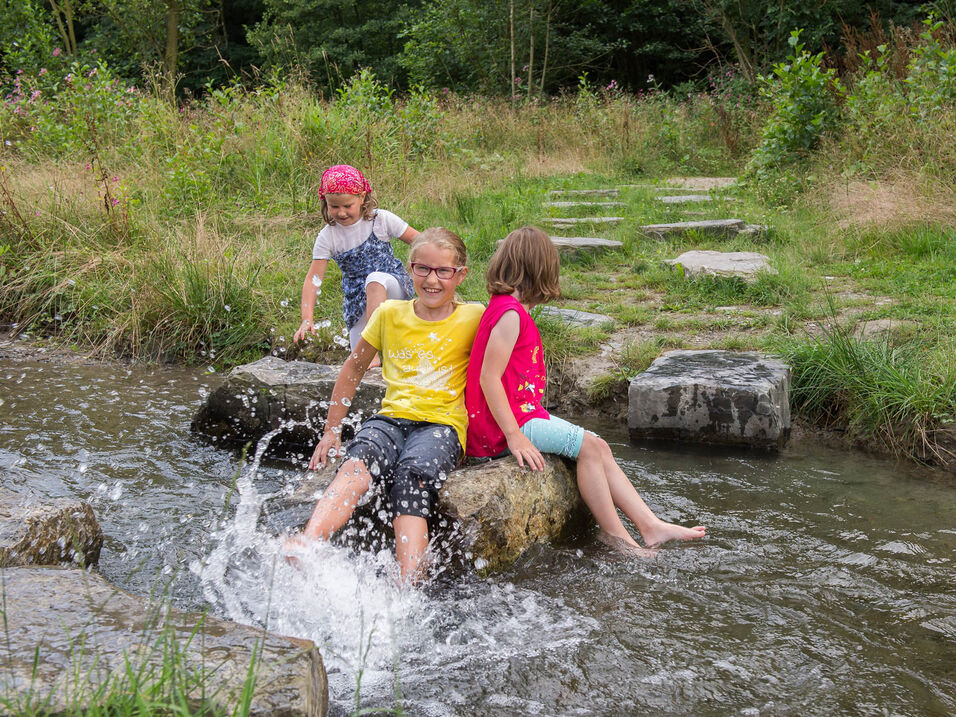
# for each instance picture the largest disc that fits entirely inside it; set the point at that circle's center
(357, 263)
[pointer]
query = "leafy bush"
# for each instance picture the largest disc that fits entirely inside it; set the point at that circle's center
(804, 105)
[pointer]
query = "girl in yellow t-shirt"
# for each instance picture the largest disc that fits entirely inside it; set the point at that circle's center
(418, 436)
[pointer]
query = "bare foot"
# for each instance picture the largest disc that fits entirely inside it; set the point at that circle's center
(661, 532)
(292, 545)
(627, 546)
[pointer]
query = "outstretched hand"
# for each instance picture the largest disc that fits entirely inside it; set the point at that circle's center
(330, 443)
(524, 452)
(305, 328)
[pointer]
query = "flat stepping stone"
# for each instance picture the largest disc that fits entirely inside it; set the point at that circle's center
(719, 397)
(569, 244)
(72, 637)
(573, 316)
(584, 243)
(584, 192)
(701, 183)
(747, 265)
(691, 198)
(572, 221)
(719, 227)
(569, 205)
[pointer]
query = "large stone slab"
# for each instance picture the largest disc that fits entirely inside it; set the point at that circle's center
(712, 227)
(493, 511)
(87, 635)
(47, 532)
(746, 265)
(289, 397)
(720, 397)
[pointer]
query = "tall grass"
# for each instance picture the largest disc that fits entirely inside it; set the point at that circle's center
(898, 394)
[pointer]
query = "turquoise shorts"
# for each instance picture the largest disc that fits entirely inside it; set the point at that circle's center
(554, 435)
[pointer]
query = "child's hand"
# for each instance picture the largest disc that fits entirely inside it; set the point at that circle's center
(330, 442)
(524, 451)
(304, 328)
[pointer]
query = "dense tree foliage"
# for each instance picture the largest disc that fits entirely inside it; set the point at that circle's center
(524, 47)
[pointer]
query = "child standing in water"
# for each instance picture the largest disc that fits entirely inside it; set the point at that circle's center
(417, 437)
(356, 237)
(505, 385)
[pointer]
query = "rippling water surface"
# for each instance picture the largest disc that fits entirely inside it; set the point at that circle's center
(826, 585)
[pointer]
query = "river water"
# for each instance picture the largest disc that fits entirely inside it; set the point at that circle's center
(825, 585)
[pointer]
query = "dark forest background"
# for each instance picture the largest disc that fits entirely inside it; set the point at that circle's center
(497, 47)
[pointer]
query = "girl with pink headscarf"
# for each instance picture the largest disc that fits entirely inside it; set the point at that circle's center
(357, 237)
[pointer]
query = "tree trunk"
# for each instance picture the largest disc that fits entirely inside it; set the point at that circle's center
(170, 56)
(64, 22)
(531, 50)
(547, 40)
(511, 33)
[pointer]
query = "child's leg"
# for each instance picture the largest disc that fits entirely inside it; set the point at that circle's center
(379, 286)
(338, 501)
(624, 496)
(411, 543)
(594, 487)
(430, 453)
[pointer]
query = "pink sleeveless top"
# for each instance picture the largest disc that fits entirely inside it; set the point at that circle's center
(523, 379)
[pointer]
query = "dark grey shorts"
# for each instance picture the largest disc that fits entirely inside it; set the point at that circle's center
(410, 459)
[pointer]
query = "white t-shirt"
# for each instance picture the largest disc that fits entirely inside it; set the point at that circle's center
(334, 238)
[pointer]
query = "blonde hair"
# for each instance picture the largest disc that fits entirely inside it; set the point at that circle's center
(369, 205)
(442, 238)
(526, 262)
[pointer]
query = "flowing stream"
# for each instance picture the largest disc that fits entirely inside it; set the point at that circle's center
(825, 586)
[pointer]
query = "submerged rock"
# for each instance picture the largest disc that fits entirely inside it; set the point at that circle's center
(493, 511)
(48, 532)
(289, 397)
(72, 638)
(720, 397)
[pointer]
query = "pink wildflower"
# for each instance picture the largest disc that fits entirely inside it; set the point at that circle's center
(42, 72)
(57, 52)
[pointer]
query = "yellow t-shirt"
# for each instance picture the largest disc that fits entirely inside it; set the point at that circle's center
(424, 362)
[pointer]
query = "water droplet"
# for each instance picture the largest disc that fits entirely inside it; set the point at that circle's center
(226, 307)
(316, 281)
(480, 563)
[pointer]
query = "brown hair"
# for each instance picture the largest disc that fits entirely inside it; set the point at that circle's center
(526, 262)
(369, 205)
(443, 238)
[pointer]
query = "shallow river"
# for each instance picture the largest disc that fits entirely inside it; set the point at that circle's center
(826, 584)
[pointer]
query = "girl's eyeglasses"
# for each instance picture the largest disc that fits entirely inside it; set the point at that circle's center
(442, 272)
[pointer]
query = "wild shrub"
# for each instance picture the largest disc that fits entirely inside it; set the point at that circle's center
(804, 105)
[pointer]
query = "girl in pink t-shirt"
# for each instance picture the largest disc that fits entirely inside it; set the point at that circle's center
(505, 384)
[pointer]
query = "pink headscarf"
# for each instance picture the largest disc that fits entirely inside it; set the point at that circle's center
(343, 179)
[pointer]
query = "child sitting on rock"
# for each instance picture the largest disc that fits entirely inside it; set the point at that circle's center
(416, 438)
(505, 385)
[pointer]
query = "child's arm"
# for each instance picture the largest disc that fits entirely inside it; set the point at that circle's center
(409, 234)
(501, 342)
(346, 384)
(310, 290)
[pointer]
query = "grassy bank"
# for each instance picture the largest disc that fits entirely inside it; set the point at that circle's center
(143, 228)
